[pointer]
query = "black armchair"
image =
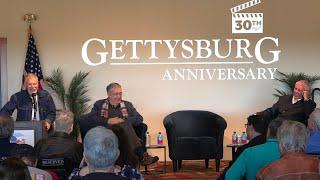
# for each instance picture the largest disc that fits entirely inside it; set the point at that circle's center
(195, 135)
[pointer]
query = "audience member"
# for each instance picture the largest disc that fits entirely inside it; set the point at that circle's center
(294, 164)
(28, 155)
(256, 129)
(313, 142)
(32, 103)
(123, 113)
(126, 164)
(6, 131)
(297, 106)
(253, 158)
(100, 153)
(14, 168)
(60, 144)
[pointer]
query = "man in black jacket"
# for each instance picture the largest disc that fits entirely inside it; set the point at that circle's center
(122, 113)
(32, 103)
(60, 144)
(297, 106)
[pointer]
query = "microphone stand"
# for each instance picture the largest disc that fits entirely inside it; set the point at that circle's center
(34, 105)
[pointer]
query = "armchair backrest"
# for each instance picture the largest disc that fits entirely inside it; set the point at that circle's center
(89, 121)
(195, 123)
(61, 166)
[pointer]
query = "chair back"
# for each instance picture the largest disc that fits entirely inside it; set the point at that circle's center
(191, 131)
(61, 166)
(194, 123)
(89, 121)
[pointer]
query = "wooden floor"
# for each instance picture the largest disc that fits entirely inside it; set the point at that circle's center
(189, 170)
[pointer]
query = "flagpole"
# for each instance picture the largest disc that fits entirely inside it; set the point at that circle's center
(32, 59)
(29, 19)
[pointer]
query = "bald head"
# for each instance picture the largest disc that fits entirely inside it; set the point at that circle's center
(299, 89)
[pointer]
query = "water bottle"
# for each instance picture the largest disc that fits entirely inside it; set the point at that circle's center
(148, 139)
(160, 139)
(244, 138)
(234, 138)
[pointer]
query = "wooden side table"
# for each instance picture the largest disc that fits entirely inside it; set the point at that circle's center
(164, 153)
(234, 148)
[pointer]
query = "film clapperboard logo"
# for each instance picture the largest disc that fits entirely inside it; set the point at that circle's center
(246, 22)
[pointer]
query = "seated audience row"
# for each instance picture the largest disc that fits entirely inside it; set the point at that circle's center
(253, 158)
(61, 145)
(281, 157)
(294, 163)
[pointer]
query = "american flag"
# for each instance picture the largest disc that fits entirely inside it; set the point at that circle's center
(32, 63)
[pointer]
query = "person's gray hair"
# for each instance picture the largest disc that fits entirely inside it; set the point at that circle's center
(112, 85)
(292, 136)
(29, 76)
(64, 121)
(6, 126)
(315, 118)
(101, 147)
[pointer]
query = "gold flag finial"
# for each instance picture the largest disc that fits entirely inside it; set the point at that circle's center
(29, 18)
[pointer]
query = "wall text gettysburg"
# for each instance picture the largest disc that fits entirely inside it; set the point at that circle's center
(194, 52)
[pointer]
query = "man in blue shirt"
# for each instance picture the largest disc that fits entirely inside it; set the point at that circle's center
(32, 103)
(313, 142)
(254, 158)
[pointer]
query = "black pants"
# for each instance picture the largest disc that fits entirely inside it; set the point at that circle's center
(141, 131)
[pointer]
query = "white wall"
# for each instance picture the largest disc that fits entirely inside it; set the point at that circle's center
(63, 27)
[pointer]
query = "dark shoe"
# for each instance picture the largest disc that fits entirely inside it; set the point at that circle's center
(147, 159)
